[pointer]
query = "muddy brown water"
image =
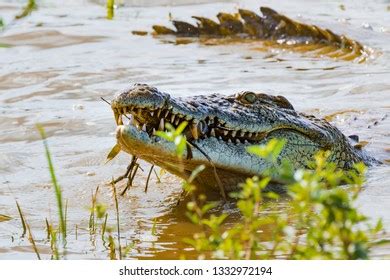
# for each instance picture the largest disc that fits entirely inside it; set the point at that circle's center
(57, 63)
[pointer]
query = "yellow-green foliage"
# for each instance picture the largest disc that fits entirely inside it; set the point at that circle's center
(320, 220)
(57, 188)
(175, 136)
(31, 6)
(110, 9)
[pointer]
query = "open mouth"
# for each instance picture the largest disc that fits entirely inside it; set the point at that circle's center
(151, 120)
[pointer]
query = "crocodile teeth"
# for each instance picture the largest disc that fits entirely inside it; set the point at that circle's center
(242, 133)
(130, 118)
(158, 113)
(134, 121)
(249, 134)
(124, 110)
(120, 122)
(161, 125)
(177, 121)
(229, 140)
(226, 132)
(151, 113)
(172, 119)
(238, 141)
(212, 132)
(234, 133)
(194, 131)
(144, 127)
(154, 131)
(166, 114)
(116, 116)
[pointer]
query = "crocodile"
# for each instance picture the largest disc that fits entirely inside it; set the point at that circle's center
(219, 130)
(274, 30)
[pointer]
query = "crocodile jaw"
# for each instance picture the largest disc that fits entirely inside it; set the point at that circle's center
(219, 130)
(232, 162)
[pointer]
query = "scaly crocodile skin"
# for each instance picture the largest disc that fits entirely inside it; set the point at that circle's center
(275, 30)
(219, 130)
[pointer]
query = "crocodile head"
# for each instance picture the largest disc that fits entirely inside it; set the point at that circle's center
(220, 128)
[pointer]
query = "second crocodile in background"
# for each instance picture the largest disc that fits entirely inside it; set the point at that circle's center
(274, 30)
(220, 128)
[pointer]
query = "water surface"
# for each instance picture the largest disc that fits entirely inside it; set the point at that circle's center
(60, 60)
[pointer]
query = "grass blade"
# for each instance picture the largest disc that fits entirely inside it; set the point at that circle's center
(117, 220)
(21, 219)
(110, 9)
(26, 227)
(57, 187)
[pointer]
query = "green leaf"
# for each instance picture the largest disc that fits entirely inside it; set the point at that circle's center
(272, 195)
(195, 172)
(270, 151)
(379, 226)
(181, 127)
(181, 145)
(166, 135)
(208, 206)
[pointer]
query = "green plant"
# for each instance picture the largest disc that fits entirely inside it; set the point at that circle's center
(57, 188)
(110, 9)
(31, 6)
(98, 221)
(26, 228)
(321, 221)
(175, 136)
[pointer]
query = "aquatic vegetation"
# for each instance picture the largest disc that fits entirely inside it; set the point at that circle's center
(22, 219)
(57, 188)
(322, 220)
(97, 219)
(110, 9)
(28, 9)
(4, 218)
(117, 220)
(26, 228)
(175, 135)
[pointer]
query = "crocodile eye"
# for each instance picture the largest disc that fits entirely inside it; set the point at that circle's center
(250, 97)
